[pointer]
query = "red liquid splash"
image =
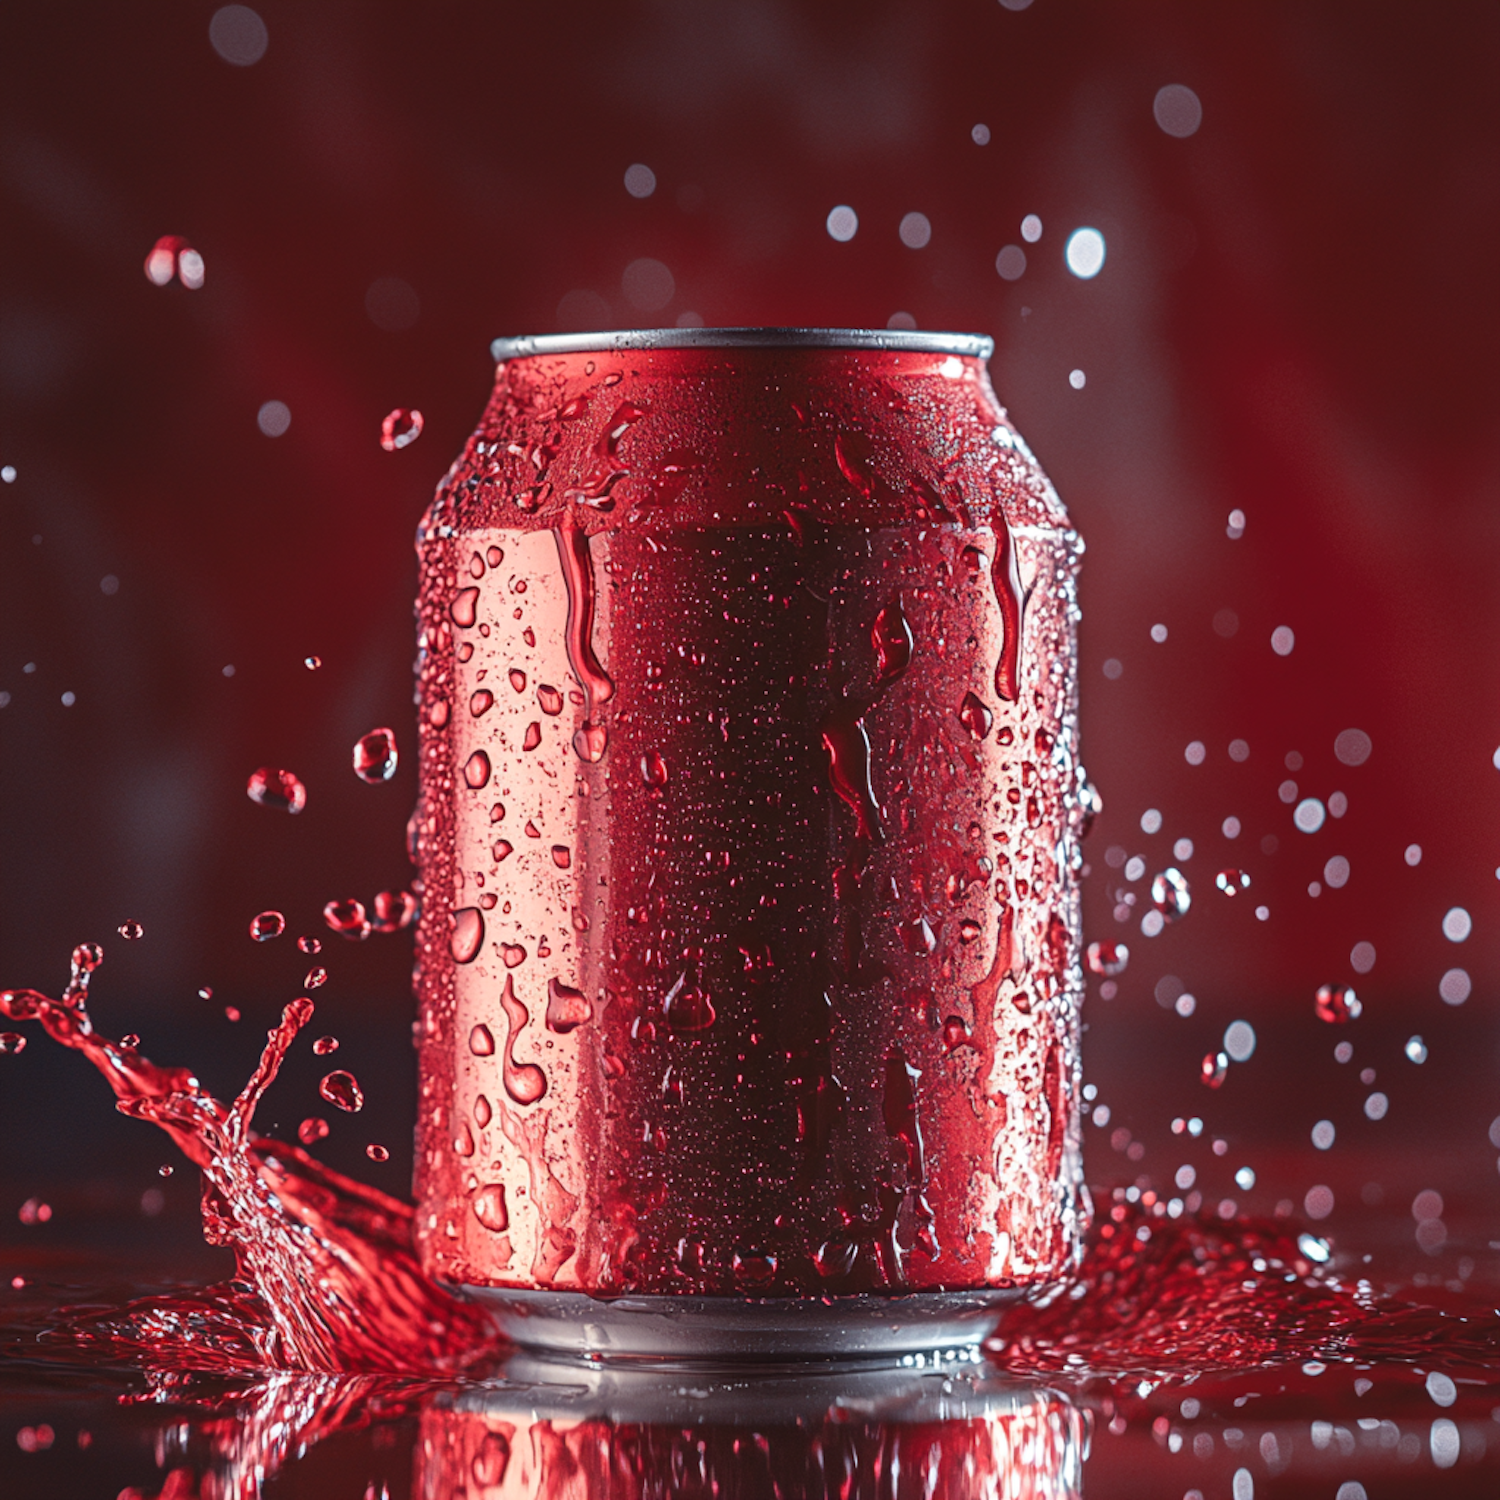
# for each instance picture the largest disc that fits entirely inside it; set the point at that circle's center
(326, 1277)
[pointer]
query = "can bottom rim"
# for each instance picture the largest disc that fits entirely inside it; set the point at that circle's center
(745, 1328)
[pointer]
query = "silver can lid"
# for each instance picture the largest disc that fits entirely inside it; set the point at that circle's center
(889, 340)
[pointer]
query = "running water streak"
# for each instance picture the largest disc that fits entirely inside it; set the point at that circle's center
(326, 1279)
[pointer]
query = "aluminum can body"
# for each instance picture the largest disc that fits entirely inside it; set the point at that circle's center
(749, 830)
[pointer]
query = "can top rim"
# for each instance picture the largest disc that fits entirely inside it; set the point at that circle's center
(898, 340)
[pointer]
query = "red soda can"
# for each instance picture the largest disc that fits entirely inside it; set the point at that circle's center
(749, 831)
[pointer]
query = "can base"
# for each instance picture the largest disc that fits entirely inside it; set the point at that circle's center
(744, 1328)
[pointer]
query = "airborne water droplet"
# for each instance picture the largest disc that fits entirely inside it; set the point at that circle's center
(280, 789)
(1215, 1067)
(266, 925)
(310, 944)
(315, 979)
(341, 1088)
(400, 429)
(12, 1042)
(477, 770)
(1170, 894)
(375, 756)
(1232, 882)
(489, 1208)
(467, 937)
(394, 910)
(377, 1153)
(130, 931)
(1107, 958)
(312, 1130)
(1337, 1003)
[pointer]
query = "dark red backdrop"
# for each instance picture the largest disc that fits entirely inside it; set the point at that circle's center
(1296, 318)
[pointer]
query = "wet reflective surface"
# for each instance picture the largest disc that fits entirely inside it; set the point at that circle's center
(1182, 1368)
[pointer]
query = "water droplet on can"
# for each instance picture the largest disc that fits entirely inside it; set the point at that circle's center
(549, 698)
(975, 716)
(590, 742)
(687, 1008)
(481, 702)
(489, 1208)
(482, 1041)
(467, 937)
(567, 1008)
(477, 770)
(465, 607)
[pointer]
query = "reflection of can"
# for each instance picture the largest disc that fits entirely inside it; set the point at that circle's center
(548, 1430)
(749, 829)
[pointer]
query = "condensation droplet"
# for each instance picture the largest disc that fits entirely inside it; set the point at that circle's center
(477, 770)
(489, 1208)
(467, 937)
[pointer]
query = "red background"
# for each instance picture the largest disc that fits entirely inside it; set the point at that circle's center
(1296, 318)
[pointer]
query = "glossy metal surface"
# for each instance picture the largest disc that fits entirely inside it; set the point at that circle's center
(749, 956)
